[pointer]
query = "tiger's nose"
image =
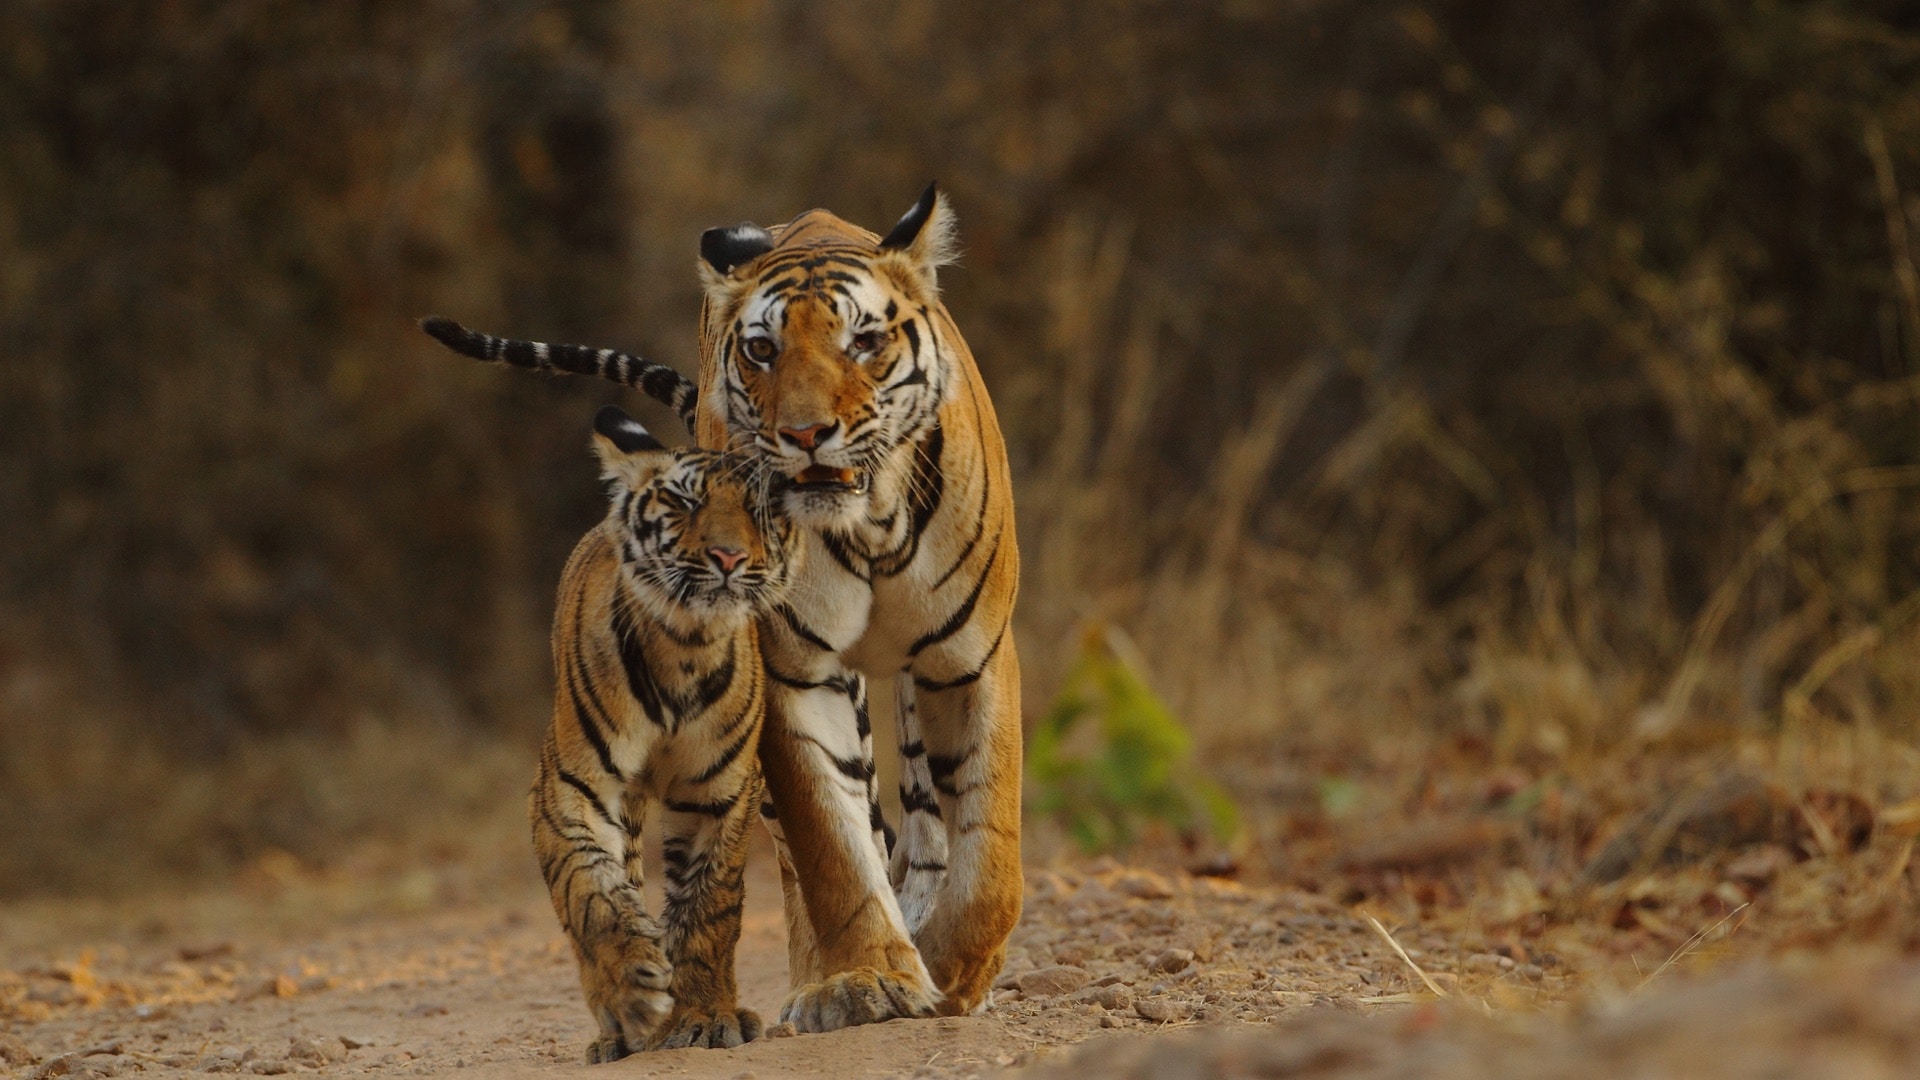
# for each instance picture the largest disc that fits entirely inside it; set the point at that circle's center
(726, 558)
(807, 438)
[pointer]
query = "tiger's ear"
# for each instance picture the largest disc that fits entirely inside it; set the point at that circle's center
(724, 250)
(629, 454)
(926, 238)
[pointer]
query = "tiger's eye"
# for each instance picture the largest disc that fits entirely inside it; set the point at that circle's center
(868, 340)
(760, 350)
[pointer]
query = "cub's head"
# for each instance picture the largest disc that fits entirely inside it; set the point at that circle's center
(829, 356)
(699, 536)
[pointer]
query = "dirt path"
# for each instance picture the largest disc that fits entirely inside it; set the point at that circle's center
(237, 986)
(1105, 955)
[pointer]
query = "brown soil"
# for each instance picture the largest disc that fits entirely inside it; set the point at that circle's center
(1105, 953)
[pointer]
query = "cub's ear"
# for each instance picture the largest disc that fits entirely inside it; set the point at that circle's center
(727, 248)
(628, 452)
(927, 236)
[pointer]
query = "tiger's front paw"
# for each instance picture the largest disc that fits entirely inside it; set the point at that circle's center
(717, 1029)
(860, 996)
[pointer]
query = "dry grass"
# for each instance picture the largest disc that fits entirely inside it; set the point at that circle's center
(1446, 398)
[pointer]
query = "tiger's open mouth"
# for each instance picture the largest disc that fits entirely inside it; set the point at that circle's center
(826, 478)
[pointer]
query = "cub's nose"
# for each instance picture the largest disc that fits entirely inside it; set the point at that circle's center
(726, 558)
(807, 438)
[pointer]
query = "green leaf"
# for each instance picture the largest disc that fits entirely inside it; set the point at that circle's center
(1133, 764)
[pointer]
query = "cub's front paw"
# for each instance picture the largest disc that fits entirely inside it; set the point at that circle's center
(606, 1048)
(627, 988)
(716, 1029)
(860, 996)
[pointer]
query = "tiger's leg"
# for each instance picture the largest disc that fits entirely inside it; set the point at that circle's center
(705, 851)
(803, 952)
(589, 855)
(863, 966)
(920, 858)
(970, 723)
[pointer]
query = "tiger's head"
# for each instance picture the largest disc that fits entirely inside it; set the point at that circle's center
(699, 536)
(829, 359)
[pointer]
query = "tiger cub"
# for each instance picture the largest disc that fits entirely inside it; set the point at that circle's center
(659, 698)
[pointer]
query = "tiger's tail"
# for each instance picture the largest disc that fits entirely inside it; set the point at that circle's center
(657, 381)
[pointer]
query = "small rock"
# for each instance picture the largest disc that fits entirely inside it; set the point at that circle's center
(1760, 865)
(55, 1066)
(1108, 1022)
(1532, 971)
(308, 1051)
(425, 1008)
(270, 1067)
(1108, 980)
(1143, 885)
(1170, 961)
(150, 1012)
(782, 1030)
(354, 1042)
(13, 1051)
(1111, 934)
(1049, 981)
(1111, 996)
(206, 951)
(1162, 1010)
(1070, 955)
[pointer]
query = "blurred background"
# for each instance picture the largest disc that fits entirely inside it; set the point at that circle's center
(1520, 392)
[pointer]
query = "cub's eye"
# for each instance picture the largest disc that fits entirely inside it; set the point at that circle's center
(760, 350)
(679, 501)
(867, 341)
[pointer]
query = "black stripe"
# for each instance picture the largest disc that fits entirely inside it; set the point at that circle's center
(979, 528)
(943, 766)
(577, 687)
(640, 680)
(589, 794)
(924, 496)
(964, 612)
(588, 727)
(928, 866)
(971, 677)
(805, 632)
(837, 547)
(913, 749)
(726, 758)
(831, 682)
(711, 808)
(717, 682)
(917, 800)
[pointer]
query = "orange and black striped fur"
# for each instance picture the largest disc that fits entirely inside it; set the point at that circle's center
(660, 699)
(826, 351)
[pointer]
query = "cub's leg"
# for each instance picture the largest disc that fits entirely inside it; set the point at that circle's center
(862, 966)
(705, 851)
(589, 853)
(970, 723)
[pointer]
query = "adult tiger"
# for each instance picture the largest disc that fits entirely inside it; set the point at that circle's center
(826, 349)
